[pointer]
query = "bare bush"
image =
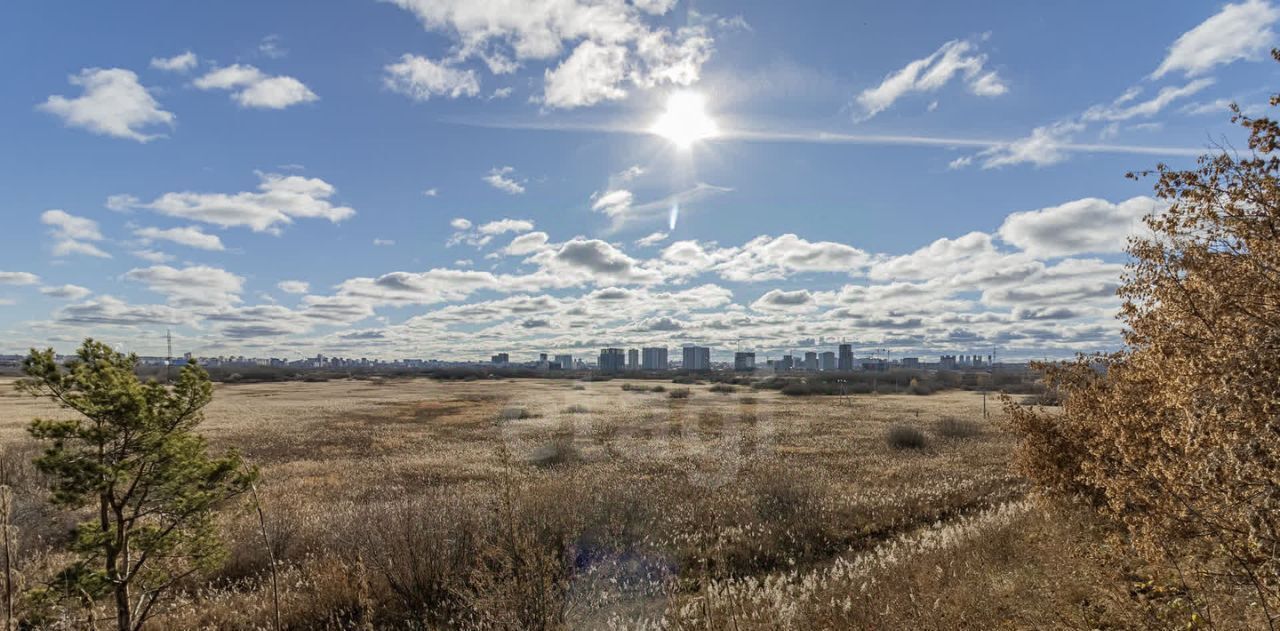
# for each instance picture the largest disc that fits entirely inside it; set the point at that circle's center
(952, 427)
(905, 437)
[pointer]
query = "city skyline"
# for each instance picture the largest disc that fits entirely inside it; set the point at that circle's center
(416, 178)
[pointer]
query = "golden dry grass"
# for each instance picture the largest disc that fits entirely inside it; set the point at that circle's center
(536, 503)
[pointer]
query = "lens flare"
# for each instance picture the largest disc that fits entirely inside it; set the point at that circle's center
(675, 214)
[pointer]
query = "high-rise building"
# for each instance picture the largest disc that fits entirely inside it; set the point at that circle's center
(947, 362)
(697, 358)
(787, 363)
(910, 362)
(844, 362)
(612, 360)
(827, 361)
(501, 359)
(564, 361)
(810, 361)
(653, 358)
(744, 361)
(633, 359)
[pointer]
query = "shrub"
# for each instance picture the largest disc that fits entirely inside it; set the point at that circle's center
(1174, 439)
(723, 388)
(905, 437)
(514, 414)
(916, 387)
(796, 389)
(577, 409)
(558, 451)
(658, 389)
(680, 393)
(578, 386)
(951, 427)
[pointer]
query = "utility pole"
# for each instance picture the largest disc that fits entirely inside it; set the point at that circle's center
(168, 360)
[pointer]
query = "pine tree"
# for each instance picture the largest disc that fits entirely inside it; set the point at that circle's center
(132, 454)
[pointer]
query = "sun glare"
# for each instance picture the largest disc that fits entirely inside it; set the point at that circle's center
(685, 120)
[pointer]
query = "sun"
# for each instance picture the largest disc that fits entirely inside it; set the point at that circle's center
(685, 120)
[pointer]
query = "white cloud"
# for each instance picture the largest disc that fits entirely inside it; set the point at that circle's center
(251, 87)
(194, 286)
(956, 57)
(178, 63)
(384, 242)
(189, 236)
(653, 238)
(678, 59)
(612, 203)
(655, 7)
(611, 43)
(526, 244)
(279, 200)
(1119, 110)
(72, 234)
(771, 258)
(800, 300)
(1238, 31)
(294, 286)
(431, 192)
(68, 292)
(503, 226)
(153, 256)
(501, 179)
(630, 173)
(113, 104)
(588, 76)
(1088, 225)
(18, 278)
(111, 311)
(420, 79)
(1045, 146)
(270, 47)
(460, 223)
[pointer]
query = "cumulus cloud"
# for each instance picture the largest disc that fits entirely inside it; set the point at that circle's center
(279, 200)
(930, 74)
(503, 226)
(113, 103)
(178, 63)
(111, 311)
(460, 223)
(72, 234)
(768, 258)
(526, 244)
(194, 286)
(1088, 225)
(18, 278)
(590, 75)
(1238, 31)
(294, 286)
(420, 78)
(611, 43)
(503, 179)
(189, 236)
(250, 87)
(613, 202)
(651, 239)
(68, 292)
(780, 300)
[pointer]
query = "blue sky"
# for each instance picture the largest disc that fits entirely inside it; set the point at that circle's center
(450, 178)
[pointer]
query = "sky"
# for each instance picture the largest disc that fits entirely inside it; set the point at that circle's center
(453, 178)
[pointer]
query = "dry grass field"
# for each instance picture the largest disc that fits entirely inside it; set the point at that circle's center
(564, 504)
